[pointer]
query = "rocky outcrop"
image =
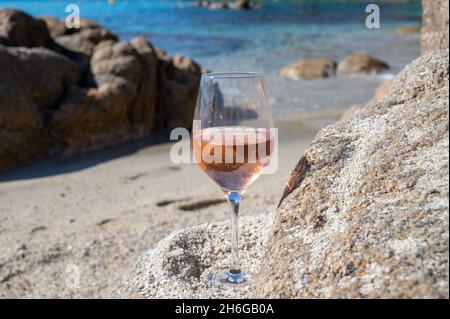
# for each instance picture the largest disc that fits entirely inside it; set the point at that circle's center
(44, 85)
(365, 213)
(435, 30)
(381, 91)
(325, 68)
(120, 105)
(54, 26)
(86, 91)
(178, 83)
(361, 63)
(84, 39)
(309, 69)
(29, 89)
(20, 29)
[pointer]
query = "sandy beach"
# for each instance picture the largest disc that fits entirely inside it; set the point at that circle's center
(100, 213)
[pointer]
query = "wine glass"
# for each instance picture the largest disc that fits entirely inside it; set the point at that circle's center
(232, 140)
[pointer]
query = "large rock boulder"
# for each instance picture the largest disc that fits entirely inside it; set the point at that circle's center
(120, 103)
(91, 118)
(178, 83)
(309, 69)
(361, 63)
(85, 91)
(111, 60)
(28, 89)
(365, 213)
(83, 39)
(382, 90)
(435, 30)
(22, 137)
(44, 75)
(20, 29)
(380, 93)
(55, 27)
(143, 110)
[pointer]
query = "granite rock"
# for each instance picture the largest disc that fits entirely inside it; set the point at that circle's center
(380, 93)
(29, 89)
(365, 213)
(435, 30)
(309, 69)
(19, 29)
(361, 63)
(119, 103)
(83, 39)
(178, 84)
(84, 89)
(55, 27)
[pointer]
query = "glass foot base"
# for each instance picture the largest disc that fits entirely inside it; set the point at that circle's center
(235, 278)
(228, 278)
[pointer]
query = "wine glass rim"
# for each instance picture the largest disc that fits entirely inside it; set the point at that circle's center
(233, 74)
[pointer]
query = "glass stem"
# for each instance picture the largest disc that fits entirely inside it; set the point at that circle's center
(235, 199)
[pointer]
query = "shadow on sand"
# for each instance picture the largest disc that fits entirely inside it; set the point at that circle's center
(59, 165)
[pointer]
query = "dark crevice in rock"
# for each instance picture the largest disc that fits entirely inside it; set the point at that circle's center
(297, 176)
(11, 275)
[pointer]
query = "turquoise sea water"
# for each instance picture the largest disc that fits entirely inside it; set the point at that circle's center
(179, 28)
(262, 40)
